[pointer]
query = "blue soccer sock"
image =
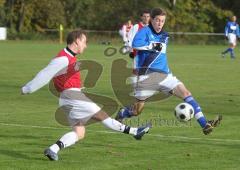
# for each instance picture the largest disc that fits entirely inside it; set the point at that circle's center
(197, 111)
(232, 52)
(127, 112)
(227, 50)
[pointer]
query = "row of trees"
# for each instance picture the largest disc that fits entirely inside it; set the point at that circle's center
(183, 15)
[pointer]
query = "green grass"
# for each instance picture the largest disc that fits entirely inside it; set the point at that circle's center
(28, 126)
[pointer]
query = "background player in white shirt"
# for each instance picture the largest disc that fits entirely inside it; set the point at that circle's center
(64, 71)
(125, 30)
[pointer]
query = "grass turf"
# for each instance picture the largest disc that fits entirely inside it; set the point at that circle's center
(28, 124)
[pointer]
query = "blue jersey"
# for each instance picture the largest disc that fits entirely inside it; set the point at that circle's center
(147, 59)
(232, 27)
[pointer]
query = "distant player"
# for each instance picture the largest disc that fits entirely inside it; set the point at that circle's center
(124, 32)
(154, 74)
(145, 17)
(231, 33)
(64, 71)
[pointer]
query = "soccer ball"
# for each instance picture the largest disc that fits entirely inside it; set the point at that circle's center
(184, 112)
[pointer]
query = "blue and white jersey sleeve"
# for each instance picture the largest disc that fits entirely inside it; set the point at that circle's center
(141, 41)
(226, 30)
(238, 31)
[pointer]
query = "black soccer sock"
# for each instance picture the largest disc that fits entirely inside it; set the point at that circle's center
(60, 144)
(126, 130)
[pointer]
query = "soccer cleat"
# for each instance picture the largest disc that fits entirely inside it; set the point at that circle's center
(51, 155)
(142, 130)
(207, 129)
(215, 122)
(223, 55)
(120, 116)
(211, 124)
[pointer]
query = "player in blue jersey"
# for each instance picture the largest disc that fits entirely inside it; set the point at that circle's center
(154, 74)
(231, 33)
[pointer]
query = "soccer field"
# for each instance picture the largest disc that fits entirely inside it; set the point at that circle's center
(28, 125)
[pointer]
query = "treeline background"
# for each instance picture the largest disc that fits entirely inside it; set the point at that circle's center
(29, 17)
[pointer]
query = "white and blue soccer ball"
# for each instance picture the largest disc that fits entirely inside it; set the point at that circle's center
(184, 112)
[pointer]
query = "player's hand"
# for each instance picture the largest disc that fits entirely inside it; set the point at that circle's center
(157, 46)
(131, 54)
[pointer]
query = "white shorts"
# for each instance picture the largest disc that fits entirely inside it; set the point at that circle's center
(150, 84)
(78, 107)
(232, 39)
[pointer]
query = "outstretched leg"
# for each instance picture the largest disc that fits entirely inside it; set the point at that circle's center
(207, 126)
(230, 50)
(119, 127)
(66, 140)
(129, 111)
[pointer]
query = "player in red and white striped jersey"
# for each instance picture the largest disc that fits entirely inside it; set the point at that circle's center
(64, 71)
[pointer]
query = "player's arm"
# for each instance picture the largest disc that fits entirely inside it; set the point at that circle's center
(141, 42)
(131, 34)
(238, 31)
(226, 30)
(45, 75)
(124, 30)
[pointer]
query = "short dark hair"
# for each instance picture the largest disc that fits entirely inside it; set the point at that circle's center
(145, 11)
(157, 11)
(73, 35)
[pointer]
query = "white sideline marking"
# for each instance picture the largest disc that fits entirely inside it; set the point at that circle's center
(100, 131)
